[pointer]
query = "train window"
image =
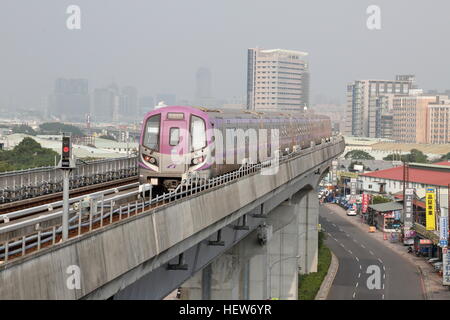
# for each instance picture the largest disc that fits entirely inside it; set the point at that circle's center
(174, 136)
(198, 133)
(151, 135)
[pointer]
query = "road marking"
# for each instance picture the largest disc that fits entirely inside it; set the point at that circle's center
(357, 284)
(382, 297)
(363, 246)
(359, 275)
(357, 259)
(370, 252)
(383, 286)
(354, 294)
(334, 225)
(350, 251)
(384, 268)
(380, 260)
(384, 276)
(360, 267)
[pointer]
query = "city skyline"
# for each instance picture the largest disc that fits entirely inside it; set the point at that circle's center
(161, 65)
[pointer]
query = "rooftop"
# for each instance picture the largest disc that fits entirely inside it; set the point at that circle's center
(387, 206)
(437, 174)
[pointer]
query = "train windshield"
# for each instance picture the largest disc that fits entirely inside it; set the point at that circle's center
(151, 137)
(198, 133)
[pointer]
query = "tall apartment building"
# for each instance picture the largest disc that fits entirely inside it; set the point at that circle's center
(410, 118)
(106, 103)
(438, 130)
(277, 79)
(70, 99)
(369, 105)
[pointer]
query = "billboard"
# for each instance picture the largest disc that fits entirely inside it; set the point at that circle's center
(445, 266)
(365, 202)
(334, 165)
(431, 208)
(408, 215)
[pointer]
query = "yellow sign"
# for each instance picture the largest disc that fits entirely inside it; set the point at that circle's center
(430, 211)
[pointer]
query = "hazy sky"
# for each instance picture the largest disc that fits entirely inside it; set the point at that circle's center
(158, 45)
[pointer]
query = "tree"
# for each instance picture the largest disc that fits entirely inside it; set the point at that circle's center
(358, 155)
(379, 199)
(414, 156)
(27, 154)
(58, 128)
(445, 157)
(23, 128)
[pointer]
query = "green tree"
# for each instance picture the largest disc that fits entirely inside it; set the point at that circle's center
(379, 199)
(414, 156)
(23, 128)
(445, 157)
(58, 128)
(27, 154)
(358, 155)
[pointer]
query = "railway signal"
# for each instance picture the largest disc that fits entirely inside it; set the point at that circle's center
(66, 164)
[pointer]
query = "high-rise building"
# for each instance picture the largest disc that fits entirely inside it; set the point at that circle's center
(129, 103)
(146, 104)
(70, 99)
(277, 79)
(369, 101)
(106, 103)
(203, 83)
(410, 113)
(439, 121)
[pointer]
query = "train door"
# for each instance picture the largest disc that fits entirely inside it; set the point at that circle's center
(174, 143)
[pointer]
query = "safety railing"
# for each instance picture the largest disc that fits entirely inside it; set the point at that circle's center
(97, 212)
(31, 183)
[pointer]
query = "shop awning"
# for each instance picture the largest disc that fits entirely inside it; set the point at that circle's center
(387, 206)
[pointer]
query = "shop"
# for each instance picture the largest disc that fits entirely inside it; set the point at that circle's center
(386, 216)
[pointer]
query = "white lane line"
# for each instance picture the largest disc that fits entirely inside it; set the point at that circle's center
(380, 260)
(357, 284)
(384, 276)
(384, 268)
(328, 234)
(350, 252)
(363, 246)
(360, 267)
(359, 275)
(370, 252)
(354, 294)
(383, 286)
(334, 225)
(382, 297)
(357, 259)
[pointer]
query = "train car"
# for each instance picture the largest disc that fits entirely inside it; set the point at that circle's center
(193, 136)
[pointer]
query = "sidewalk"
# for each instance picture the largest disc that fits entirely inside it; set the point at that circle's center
(431, 280)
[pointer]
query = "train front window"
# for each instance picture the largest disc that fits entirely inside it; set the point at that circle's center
(174, 136)
(151, 137)
(198, 133)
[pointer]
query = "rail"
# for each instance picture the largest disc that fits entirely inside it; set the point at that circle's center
(101, 212)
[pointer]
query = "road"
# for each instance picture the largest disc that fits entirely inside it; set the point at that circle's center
(365, 262)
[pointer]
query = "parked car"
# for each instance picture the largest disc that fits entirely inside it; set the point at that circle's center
(351, 212)
(433, 260)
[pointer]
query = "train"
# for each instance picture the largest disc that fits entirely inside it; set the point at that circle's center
(181, 141)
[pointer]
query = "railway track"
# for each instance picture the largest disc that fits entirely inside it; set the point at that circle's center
(53, 197)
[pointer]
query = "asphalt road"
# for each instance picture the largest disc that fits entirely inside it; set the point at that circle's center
(367, 269)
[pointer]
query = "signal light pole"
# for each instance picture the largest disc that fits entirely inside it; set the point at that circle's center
(66, 164)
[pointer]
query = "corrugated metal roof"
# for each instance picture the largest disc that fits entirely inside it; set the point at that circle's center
(387, 206)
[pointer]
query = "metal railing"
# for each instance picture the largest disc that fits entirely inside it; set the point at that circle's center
(30, 183)
(98, 212)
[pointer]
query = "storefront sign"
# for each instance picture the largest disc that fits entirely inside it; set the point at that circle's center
(443, 230)
(425, 241)
(445, 266)
(430, 211)
(334, 165)
(353, 186)
(365, 202)
(408, 216)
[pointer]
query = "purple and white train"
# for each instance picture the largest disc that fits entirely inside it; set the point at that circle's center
(188, 133)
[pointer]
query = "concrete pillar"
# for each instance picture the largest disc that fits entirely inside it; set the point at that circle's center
(307, 228)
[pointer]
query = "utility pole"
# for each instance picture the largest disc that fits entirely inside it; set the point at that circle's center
(66, 164)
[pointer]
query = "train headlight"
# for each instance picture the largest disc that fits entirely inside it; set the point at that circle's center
(150, 159)
(197, 160)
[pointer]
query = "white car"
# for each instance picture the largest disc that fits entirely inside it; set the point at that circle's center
(351, 212)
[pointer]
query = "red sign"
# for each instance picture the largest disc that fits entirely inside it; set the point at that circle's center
(365, 202)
